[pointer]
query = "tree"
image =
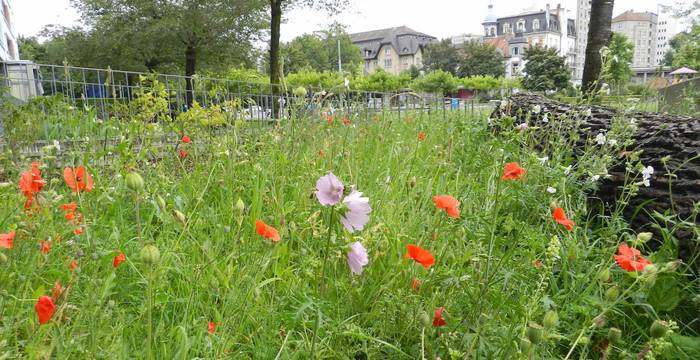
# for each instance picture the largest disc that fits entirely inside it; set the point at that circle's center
(189, 30)
(442, 56)
(685, 49)
(616, 69)
(545, 69)
(381, 80)
(320, 51)
(599, 32)
(480, 59)
(437, 82)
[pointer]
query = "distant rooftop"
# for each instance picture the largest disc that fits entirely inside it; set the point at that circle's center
(386, 34)
(630, 15)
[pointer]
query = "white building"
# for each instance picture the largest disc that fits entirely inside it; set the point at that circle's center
(8, 40)
(666, 29)
(583, 18)
(641, 29)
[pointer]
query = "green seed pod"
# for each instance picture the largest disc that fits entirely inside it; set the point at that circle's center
(240, 205)
(612, 293)
(614, 335)
(658, 329)
(300, 91)
(150, 255)
(179, 216)
(584, 340)
(604, 276)
(134, 181)
(525, 345)
(551, 318)
(3, 258)
(425, 319)
(534, 333)
(161, 202)
(644, 237)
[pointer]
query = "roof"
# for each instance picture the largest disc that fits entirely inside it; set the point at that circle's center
(630, 15)
(683, 71)
(405, 41)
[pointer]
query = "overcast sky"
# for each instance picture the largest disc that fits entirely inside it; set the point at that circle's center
(440, 18)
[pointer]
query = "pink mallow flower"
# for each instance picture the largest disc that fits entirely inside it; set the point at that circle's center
(357, 214)
(357, 258)
(329, 189)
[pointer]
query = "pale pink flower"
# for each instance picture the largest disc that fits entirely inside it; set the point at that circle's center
(357, 215)
(357, 258)
(329, 190)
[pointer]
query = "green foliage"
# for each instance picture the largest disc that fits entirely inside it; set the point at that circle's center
(442, 56)
(616, 65)
(685, 49)
(197, 115)
(150, 102)
(480, 59)
(545, 70)
(312, 79)
(381, 80)
(319, 51)
(436, 82)
(482, 83)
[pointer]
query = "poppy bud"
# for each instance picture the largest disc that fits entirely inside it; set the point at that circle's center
(599, 321)
(534, 333)
(672, 265)
(644, 237)
(240, 205)
(525, 345)
(425, 319)
(3, 258)
(604, 276)
(161, 202)
(614, 335)
(150, 254)
(584, 340)
(612, 293)
(658, 329)
(551, 318)
(134, 181)
(179, 216)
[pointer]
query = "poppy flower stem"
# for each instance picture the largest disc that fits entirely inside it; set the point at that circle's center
(137, 209)
(331, 218)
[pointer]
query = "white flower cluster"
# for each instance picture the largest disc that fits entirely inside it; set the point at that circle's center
(646, 175)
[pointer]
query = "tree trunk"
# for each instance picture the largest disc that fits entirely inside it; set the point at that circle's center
(599, 32)
(190, 67)
(275, 76)
(676, 139)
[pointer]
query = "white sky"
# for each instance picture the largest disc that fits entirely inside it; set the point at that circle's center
(440, 18)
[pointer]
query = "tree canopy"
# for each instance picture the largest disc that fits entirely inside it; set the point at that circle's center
(685, 49)
(616, 69)
(474, 58)
(319, 51)
(545, 70)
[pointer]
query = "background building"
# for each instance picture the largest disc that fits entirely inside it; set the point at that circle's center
(583, 18)
(461, 39)
(666, 29)
(8, 42)
(512, 35)
(641, 29)
(393, 49)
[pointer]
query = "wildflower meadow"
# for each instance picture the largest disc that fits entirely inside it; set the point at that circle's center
(387, 236)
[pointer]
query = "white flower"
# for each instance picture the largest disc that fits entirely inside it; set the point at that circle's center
(347, 83)
(612, 142)
(595, 178)
(545, 119)
(600, 139)
(633, 121)
(646, 175)
(57, 145)
(536, 109)
(543, 160)
(357, 215)
(489, 120)
(522, 126)
(587, 112)
(551, 190)
(567, 170)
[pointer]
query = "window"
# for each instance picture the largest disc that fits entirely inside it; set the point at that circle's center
(515, 50)
(6, 12)
(506, 28)
(520, 25)
(536, 24)
(387, 51)
(387, 63)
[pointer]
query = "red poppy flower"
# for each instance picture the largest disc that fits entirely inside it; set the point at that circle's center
(266, 231)
(329, 119)
(421, 136)
(71, 214)
(73, 264)
(630, 259)
(347, 121)
(321, 153)
(45, 247)
(513, 171)
(537, 264)
(182, 153)
(30, 183)
(438, 319)
(560, 217)
(186, 139)
(56, 291)
(78, 231)
(118, 260)
(211, 327)
(415, 284)
(7, 241)
(44, 309)
(447, 202)
(78, 180)
(420, 255)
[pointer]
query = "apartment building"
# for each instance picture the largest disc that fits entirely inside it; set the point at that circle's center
(394, 49)
(641, 29)
(8, 39)
(666, 29)
(583, 18)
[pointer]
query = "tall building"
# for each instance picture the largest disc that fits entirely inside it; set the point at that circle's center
(666, 29)
(393, 49)
(8, 40)
(583, 18)
(512, 35)
(641, 29)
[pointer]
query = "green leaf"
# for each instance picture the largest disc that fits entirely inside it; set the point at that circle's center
(665, 294)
